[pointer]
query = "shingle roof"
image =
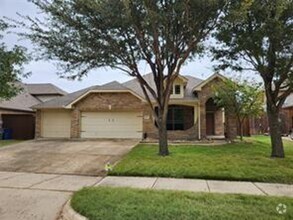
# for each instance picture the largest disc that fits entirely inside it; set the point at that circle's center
(131, 85)
(23, 101)
(44, 89)
(62, 101)
(188, 95)
(26, 99)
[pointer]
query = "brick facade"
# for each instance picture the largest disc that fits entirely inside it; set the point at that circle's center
(75, 123)
(151, 130)
(125, 101)
(103, 102)
(204, 95)
(109, 102)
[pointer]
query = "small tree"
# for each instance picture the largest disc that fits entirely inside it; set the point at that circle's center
(11, 62)
(120, 34)
(244, 100)
(257, 35)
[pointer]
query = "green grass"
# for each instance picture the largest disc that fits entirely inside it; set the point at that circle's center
(8, 142)
(125, 203)
(237, 161)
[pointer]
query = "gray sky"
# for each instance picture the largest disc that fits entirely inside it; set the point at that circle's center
(45, 72)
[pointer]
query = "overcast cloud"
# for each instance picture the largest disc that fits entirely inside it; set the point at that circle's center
(45, 72)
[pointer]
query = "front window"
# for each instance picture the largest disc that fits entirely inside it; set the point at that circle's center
(180, 117)
(177, 89)
(175, 120)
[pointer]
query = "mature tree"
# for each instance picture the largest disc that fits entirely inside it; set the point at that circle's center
(242, 99)
(120, 34)
(11, 62)
(257, 35)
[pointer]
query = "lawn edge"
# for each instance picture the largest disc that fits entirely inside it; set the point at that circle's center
(68, 213)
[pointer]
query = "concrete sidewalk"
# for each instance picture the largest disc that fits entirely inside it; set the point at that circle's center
(196, 185)
(72, 183)
(30, 196)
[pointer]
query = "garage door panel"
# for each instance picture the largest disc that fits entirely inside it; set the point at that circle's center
(111, 125)
(56, 124)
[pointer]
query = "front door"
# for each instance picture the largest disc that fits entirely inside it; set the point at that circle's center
(210, 124)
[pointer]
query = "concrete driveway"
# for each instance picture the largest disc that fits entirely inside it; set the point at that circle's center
(82, 157)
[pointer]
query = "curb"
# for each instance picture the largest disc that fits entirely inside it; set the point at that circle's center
(68, 213)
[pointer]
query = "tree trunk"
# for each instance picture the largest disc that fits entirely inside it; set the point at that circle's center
(163, 137)
(240, 124)
(275, 133)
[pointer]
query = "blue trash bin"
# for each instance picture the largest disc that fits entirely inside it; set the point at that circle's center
(7, 134)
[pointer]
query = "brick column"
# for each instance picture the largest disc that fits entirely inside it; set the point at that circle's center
(75, 123)
(219, 122)
(203, 121)
(38, 128)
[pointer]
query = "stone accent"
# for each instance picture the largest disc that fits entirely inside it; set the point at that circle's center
(38, 128)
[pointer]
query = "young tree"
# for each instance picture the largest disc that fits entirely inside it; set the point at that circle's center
(257, 35)
(11, 62)
(120, 34)
(242, 99)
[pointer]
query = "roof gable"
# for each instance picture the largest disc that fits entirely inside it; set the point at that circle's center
(188, 80)
(131, 86)
(208, 80)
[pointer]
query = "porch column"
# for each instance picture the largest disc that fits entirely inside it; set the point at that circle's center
(199, 121)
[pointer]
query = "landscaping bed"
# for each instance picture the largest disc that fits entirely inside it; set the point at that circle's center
(125, 203)
(249, 161)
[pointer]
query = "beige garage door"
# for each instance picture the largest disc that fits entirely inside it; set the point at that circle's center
(56, 124)
(111, 125)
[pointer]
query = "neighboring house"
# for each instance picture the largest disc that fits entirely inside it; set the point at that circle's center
(16, 114)
(117, 110)
(260, 125)
(287, 115)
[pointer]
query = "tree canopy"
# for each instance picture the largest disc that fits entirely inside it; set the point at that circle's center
(257, 35)
(244, 99)
(11, 62)
(120, 34)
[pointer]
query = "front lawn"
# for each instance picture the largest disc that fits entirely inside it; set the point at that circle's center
(237, 161)
(125, 203)
(8, 142)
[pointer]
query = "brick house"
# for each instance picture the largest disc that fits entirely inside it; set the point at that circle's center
(287, 114)
(117, 110)
(260, 125)
(16, 114)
